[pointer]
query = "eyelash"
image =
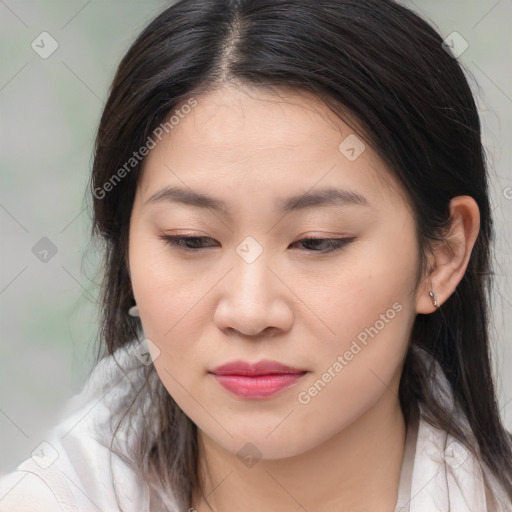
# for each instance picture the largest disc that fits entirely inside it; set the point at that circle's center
(335, 244)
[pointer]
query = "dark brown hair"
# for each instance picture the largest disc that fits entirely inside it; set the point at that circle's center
(375, 62)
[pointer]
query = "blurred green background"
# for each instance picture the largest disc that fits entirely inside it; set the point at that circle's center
(49, 110)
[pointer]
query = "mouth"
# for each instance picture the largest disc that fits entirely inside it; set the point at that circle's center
(259, 380)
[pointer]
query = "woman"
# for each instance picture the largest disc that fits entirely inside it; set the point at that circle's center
(294, 204)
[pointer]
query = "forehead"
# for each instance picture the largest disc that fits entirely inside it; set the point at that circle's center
(233, 122)
(254, 139)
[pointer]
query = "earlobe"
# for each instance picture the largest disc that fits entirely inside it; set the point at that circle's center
(434, 300)
(450, 258)
(427, 302)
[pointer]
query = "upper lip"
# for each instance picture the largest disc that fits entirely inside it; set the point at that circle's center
(263, 367)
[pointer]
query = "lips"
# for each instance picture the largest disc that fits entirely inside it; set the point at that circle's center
(263, 367)
(256, 380)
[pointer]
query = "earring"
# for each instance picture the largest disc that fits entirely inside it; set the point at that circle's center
(134, 311)
(434, 301)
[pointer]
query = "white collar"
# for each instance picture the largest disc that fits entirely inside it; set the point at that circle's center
(439, 473)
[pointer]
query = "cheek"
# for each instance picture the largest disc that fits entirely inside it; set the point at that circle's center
(358, 367)
(374, 290)
(369, 309)
(168, 290)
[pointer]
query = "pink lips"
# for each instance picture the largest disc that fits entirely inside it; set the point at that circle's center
(259, 380)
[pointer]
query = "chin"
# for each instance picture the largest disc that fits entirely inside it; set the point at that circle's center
(259, 444)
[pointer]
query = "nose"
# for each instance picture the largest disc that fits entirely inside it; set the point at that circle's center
(254, 300)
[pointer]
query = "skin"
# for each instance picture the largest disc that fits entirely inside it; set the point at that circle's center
(250, 147)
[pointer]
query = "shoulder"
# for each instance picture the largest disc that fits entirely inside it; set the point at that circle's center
(23, 490)
(86, 470)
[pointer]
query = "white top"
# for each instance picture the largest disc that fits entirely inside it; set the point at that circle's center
(71, 471)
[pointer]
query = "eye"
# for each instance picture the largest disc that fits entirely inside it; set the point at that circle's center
(193, 243)
(329, 244)
(178, 241)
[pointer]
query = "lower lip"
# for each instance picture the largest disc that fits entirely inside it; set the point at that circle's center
(258, 386)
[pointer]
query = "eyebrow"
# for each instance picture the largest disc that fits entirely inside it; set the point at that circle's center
(312, 199)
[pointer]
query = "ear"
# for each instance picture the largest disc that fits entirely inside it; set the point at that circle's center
(449, 259)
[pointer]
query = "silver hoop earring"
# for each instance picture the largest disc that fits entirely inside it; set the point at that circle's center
(134, 311)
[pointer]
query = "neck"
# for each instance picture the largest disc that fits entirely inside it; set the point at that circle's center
(356, 470)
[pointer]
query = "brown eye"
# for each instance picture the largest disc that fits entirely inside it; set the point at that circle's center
(325, 244)
(186, 243)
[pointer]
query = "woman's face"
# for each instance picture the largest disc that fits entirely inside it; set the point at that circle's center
(251, 289)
